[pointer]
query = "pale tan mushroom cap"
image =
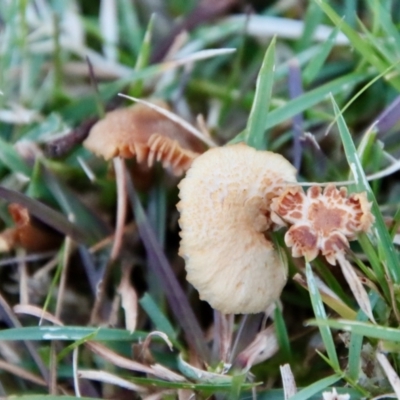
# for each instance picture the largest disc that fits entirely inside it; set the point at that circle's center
(126, 132)
(225, 201)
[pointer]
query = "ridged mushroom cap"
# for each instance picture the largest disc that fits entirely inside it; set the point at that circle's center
(125, 132)
(225, 212)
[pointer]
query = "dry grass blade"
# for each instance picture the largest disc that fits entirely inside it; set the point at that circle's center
(175, 118)
(63, 278)
(329, 297)
(289, 384)
(156, 370)
(22, 373)
(107, 377)
(117, 359)
(356, 286)
(11, 320)
(264, 26)
(129, 299)
(159, 334)
(264, 346)
(75, 355)
(389, 371)
(37, 312)
(223, 332)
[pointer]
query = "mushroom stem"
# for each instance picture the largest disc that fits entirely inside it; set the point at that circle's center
(122, 203)
(223, 330)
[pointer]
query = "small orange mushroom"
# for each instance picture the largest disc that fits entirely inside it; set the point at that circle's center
(136, 131)
(28, 233)
(225, 215)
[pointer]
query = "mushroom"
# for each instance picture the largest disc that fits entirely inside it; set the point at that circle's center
(322, 221)
(325, 221)
(28, 232)
(225, 216)
(128, 132)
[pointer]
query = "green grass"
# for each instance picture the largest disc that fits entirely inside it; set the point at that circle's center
(348, 132)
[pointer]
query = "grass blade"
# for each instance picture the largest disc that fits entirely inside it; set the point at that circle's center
(316, 387)
(362, 46)
(361, 328)
(316, 63)
(70, 333)
(158, 318)
(381, 233)
(319, 312)
(259, 112)
(173, 291)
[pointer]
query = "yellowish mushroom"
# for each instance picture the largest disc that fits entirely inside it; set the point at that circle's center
(225, 218)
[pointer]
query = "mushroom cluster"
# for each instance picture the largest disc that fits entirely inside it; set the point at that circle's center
(225, 202)
(231, 198)
(142, 132)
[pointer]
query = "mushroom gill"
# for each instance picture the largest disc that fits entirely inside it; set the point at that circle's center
(128, 132)
(225, 213)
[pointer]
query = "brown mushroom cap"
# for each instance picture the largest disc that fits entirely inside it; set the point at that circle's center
(225, 211)
(126, 132)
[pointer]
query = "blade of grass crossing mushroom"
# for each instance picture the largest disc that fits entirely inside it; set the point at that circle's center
(255, 129)
(385, 244)
(173, 291)
(320, 314)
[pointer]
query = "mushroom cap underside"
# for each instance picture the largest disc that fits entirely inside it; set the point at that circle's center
(125, 132)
